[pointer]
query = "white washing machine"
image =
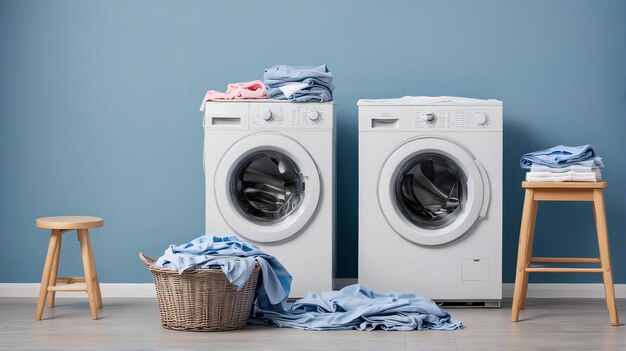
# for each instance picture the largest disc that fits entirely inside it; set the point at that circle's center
(269, 169)
(430, 198)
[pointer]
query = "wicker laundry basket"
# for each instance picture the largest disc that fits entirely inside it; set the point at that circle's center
(201, 299)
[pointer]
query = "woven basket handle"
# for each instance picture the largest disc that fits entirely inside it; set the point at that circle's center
(147, 260)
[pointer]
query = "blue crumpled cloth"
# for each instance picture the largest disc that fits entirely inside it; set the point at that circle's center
(355, 307)
(237, 259)
(563, 156)
(319, 82)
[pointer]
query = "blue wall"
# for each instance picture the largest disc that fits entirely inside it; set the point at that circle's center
(99, 102)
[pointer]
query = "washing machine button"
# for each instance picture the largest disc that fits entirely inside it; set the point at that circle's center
(481, 118)
(428, 117)
(266, 114)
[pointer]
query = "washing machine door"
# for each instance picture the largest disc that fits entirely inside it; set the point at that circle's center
(267, 187)
(432, 190)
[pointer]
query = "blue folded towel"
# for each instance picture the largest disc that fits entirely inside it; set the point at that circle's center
(562, 156)
(318, 80)
(356, 307)
(237, 259)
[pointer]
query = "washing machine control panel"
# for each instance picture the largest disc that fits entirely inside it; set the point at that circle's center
(291, 115)
(452, 118)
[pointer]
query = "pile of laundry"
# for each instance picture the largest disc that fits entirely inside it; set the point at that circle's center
(301, 84)
(356, 307)
(237, 260)
(563, 164)
(237, 91)
(353, 307)
(282, 82)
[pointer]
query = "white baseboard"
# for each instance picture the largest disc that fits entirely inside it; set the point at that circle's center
(541, 290)
(565, 290)
(107, 289)
(537, 290)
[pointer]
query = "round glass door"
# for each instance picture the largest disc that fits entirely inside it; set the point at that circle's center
(267, 187)
(431, 190)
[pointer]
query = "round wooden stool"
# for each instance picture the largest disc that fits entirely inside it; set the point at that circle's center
(565, 191)
(49, 279)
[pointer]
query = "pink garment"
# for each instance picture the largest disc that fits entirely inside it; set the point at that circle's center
(236, 91)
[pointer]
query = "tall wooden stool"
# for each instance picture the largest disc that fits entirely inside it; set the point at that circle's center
(49, 279)
(565, 191)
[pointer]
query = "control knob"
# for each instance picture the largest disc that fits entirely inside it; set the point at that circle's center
(428, 117)
(266, 114)
(481, 118)
(314, 115)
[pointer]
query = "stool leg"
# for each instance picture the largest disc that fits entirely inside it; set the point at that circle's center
(45, 277)
(522, 256)
(529, 253)
(605, 255)
(84, 248)
(94, 273)
(55, 272)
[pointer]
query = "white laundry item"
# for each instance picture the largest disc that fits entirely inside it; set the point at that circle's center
(425, 100)
(570, 176)
(573, 167)
(570, 168)
(290, 89)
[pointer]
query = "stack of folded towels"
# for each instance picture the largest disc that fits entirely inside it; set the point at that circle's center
(299, 83)
(563, 164)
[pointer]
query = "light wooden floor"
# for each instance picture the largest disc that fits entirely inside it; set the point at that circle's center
(571, 324)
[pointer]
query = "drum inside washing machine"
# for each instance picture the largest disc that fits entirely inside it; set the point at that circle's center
(430, 190)
(267, 187)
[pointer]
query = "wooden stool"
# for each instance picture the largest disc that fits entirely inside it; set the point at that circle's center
(566, 191)
(49, 279)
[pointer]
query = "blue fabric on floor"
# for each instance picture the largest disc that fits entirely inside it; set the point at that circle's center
(356, 307)
(237, 259)
(319, 80)
(562, 156)
(353, 307)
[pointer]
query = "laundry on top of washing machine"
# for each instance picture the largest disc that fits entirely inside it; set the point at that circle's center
(299, 83)
(235, 91)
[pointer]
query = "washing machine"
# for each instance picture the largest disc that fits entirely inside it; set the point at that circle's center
(269, 168)
(430, 198)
